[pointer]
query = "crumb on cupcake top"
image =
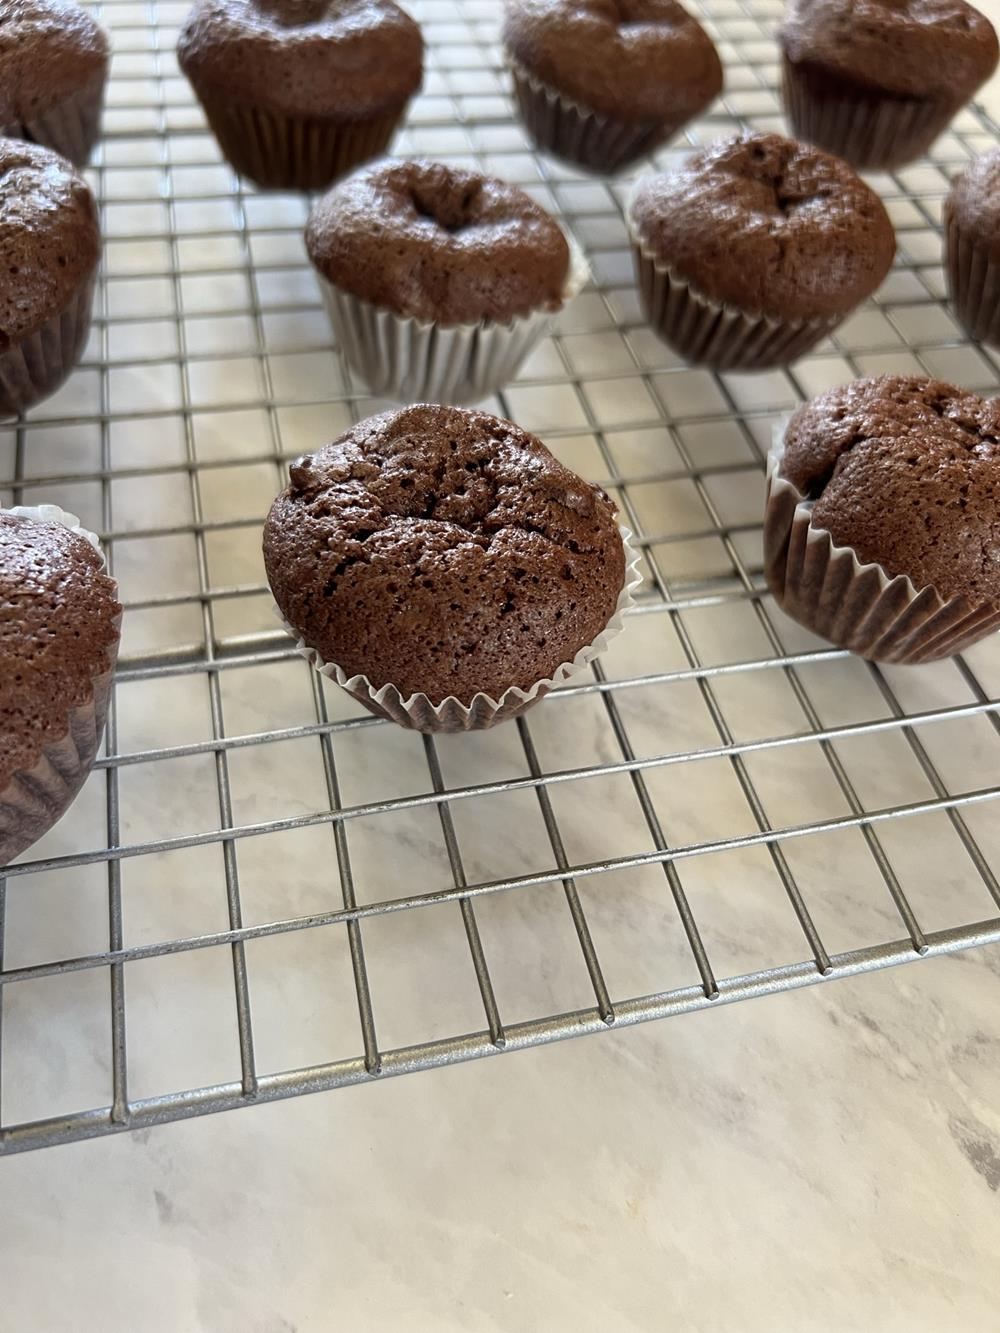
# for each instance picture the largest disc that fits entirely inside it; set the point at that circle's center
(444, 551)
(57, 632)
(906, 470)
(629, 59)
(346, 59)
(768, 226)
(942, 49)
(440, 244)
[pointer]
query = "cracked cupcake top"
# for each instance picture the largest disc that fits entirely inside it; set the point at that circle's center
(344, 59)
(905, 470)
(630, 59)
(942, 49)
(443, 551)
(439, 244)
(769, 226)
(57, 632)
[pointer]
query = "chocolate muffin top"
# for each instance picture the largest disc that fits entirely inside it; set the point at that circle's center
(443, 551)
(769, 226)
(974, 201)
(49, 49)
(50, 241)
(57, 632)
(346, 59)
(905, 470)
(438, 243)
(630, 59)
(936, 49)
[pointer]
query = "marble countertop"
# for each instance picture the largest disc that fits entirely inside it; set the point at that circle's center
(826, 1160)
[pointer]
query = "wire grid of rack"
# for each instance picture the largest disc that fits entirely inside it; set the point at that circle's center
(726, 808)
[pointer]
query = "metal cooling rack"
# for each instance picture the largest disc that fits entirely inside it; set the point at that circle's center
(278, 895)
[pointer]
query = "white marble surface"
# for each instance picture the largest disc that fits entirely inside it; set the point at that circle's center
(824, 1161)
(827, 1160)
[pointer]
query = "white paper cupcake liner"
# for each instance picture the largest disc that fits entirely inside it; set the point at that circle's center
(416, 712)
(283, 152)
(710, 333)
(858, 606)
(871, 132)
(973, 283)
(71, 127)
(587, 139)
(36, 798)
(413, 361)
(38, 364)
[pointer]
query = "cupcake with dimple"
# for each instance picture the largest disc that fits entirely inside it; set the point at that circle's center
(50, 247)
(972, 246)
(444, 568)
(602, 83)
(876, 81)
(300, 92)
(59, 631)
(882, 531)
(439, 281)
(755, 250)
(53, 69)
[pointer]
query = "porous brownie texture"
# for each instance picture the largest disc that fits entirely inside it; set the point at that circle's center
(50, 241)
(438, 243)
(940, 50)
(58, 632)
(631, 60)
(906, 471)
(443, 551)
(48, 51)
(344, 60)
(769, 226)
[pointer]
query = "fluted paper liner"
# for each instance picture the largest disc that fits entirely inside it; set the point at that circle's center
(414, 361)
(417, 713)
(973, 283)
(587, 139)
(70, 127)
(710, 333)
(826, 588)
(282, 152)
(37, 797)
(874, 132)
(39, 363)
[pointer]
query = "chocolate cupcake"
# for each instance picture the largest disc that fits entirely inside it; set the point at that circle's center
(972, 246)
(53, 68)
(882, 532)
(603, 82)
(756, 250)
(299, 92)
(50, 245)
(444, 568)
(876, 81)
(438, 281)
(59, 630)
